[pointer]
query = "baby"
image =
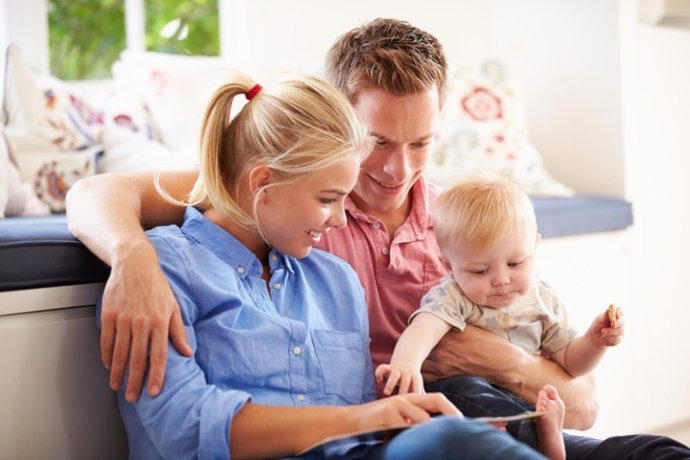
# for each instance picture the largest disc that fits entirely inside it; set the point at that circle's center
(487, 232)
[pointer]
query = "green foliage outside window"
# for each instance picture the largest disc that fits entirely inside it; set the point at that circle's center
(182, 26)
(87, 36)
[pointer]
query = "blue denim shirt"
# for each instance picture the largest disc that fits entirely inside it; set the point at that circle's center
(305, 343)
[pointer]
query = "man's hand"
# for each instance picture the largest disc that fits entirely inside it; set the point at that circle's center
(475, 351)
(483, 354)
(139, 308)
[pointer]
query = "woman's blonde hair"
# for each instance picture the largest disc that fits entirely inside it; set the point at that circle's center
(298, 126)
(478, 211)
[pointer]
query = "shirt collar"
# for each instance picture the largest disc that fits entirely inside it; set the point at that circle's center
(228, 248)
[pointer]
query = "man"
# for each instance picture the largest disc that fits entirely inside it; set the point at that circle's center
(395, 76)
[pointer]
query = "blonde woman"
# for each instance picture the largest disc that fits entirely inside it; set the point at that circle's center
(280, 332)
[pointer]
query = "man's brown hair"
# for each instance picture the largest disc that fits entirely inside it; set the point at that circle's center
(388, 54)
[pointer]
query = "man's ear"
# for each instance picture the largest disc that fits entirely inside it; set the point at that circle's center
(259, 177)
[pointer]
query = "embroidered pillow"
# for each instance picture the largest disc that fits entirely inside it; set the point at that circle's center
(482, 129)
(42, 113)
(175, 88)
(55, 133)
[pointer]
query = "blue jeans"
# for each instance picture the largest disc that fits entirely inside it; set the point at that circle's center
(475, 397)
(446, 438)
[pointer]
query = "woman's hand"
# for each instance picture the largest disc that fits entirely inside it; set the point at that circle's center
(139, 308)
(400, 410)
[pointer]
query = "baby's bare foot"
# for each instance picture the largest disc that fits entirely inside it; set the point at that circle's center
(550, 425)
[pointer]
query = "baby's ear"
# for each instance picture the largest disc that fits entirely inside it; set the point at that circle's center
(538, 239)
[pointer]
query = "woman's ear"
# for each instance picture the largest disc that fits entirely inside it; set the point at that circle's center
(259, 177)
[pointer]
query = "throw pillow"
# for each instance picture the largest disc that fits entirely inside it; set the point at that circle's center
(16, 197)
(482, 130)
(56, 134)
(175, 88)
(42, 113)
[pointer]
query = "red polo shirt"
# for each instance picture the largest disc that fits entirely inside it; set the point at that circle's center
(395, 274)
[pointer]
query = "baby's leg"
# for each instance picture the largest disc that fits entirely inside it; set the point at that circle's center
(550, 425)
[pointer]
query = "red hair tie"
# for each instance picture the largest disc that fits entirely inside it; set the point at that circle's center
(253, 92)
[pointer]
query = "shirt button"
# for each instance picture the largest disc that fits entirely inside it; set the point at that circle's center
(277, 286)
(384, 251)
(300, 398)
(274, 257)
(297, 350)
(377, 225)
(240, 269)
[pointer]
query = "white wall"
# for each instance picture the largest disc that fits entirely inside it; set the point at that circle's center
(24, 22)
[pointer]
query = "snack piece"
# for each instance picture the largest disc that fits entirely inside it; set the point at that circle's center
(613, 315)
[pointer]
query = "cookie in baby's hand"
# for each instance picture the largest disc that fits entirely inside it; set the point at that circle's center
(613, 312)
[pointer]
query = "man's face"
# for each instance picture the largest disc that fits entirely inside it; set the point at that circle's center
(404, 128)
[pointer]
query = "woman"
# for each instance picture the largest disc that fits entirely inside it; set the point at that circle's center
(280, 333)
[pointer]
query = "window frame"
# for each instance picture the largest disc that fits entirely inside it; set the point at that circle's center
(28, 28)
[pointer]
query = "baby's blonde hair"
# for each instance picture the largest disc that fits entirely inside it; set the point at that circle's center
(295, 127)
(478, 211)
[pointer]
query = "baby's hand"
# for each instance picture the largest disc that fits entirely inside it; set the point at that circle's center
(406, 376)
(608, 328)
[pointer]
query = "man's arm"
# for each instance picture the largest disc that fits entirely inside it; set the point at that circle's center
(106, 213)
(481, 353)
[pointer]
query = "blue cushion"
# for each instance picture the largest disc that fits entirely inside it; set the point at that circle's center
(41, 252)
(581, 214)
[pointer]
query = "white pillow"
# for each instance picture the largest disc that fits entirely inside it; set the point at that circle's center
(16, 197)
(55, 133)
(132, 139)
(175, 88)
(42, 113)
(482, 129)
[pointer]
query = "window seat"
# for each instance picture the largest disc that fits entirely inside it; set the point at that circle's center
(41, 252)
(581, 214)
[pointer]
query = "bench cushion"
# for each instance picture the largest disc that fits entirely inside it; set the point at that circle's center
(40, 252)
(559, 216)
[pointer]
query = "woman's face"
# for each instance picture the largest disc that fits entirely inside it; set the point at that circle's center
(294, 216)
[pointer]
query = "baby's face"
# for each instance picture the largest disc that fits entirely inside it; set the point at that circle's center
(495, 277)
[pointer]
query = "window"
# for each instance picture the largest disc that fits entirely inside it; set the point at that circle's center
(86, 37)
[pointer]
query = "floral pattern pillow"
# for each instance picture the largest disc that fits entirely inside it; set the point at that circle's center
(482, 130)
(55, 133)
